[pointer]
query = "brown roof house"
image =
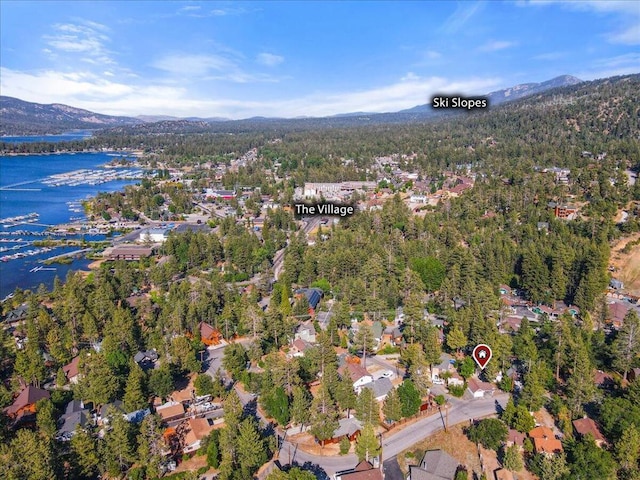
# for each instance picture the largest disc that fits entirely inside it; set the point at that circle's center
(71, 370)
(357, 373)
(170, 411)
(544, 441)
(515, 438)
(25, 403)
(363, 471)
(197, 429)
(435, 465)
(298, 347)
(479, 388)
(209, 335)
(585, 426)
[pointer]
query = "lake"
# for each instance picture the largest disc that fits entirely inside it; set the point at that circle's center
(23, 190)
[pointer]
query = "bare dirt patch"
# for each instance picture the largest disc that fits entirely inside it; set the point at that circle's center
(627, 265)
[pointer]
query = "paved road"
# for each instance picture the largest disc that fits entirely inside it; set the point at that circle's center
(458, 412)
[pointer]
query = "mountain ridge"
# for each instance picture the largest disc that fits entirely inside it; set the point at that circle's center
(19, 117)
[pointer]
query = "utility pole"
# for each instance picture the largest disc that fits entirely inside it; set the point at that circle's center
(446, 414)
(380, 462)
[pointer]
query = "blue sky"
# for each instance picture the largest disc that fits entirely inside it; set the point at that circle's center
(242, 59)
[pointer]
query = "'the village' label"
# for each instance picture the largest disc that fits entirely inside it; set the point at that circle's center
(328, 209)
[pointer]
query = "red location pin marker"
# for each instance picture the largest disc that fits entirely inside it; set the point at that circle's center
(482, 355)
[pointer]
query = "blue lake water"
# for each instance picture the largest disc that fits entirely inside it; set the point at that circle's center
(63, 137)
(22, 192)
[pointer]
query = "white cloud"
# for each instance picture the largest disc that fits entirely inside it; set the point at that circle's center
(85, 38)
(105, 95)
(458, 19)
(433, 55)
(269, 59)
(193, 65)
(206, 67)
(496, 45)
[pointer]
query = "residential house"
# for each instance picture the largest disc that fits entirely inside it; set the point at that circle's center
(71, 370)
(363, 471)
(392, 335)
(515, 438)
(566, 212)
(313, 296)
(109, 409)
(479, 389)
(616, 312)
(380, 387)
(170, 411)
(446, 365)
(137, 416)
(306, 332)
(209, 335)
(455, 380)
(586, 426)
(298, 347)
(17, 314)
(146, 359)
(435, 465)
(604, 380)
(75, 416)
(357, 373)
(197, 429)
(347, 427)
(25, 403)
(544, 441)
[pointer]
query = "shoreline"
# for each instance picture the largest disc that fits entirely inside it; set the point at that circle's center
(134, 153)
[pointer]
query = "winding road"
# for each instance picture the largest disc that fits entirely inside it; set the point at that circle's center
(459, 412)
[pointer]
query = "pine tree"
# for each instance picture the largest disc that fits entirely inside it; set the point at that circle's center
(367, 445)
(118, 447)
(409, 398)
(580, 386)
(45, 418)
(344, 394)
(135, 397)
(85, 452)
(251, 448)
(627, 343)
(392, 407)
(456, 339)
(627, 450)
(367, 410)
(300, 406)
(513, 459)
(431, 347)
(324, 417)
(213, 449)
(150, 445)
(232, 411)
(364, 341)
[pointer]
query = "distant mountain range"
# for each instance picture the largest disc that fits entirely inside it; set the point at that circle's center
(18, 117)
(510, 94)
